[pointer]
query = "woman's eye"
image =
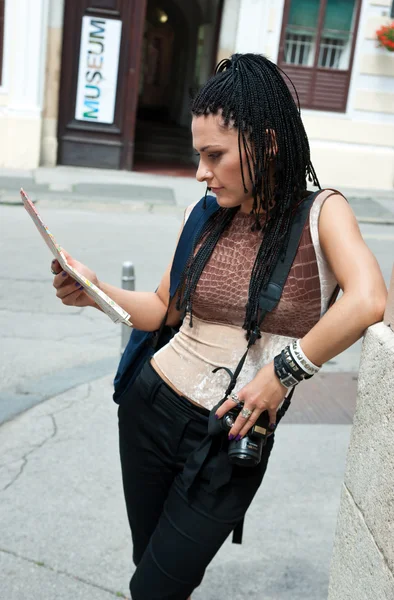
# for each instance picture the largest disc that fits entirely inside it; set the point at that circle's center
(212, 156)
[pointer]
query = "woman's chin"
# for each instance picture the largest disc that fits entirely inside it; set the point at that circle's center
(226, 202)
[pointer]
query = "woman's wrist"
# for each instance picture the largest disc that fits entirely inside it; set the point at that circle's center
(284, 373)
(302, 359)
(292, 365)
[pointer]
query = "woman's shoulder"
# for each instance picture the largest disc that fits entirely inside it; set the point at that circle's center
(188, 211)
(206, 205)
(328, 199)
(326, 193)
(333, 217)
(328, 207)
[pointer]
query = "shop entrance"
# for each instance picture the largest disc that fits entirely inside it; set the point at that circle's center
(129, 68)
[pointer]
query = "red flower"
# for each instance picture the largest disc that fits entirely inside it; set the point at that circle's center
(385, 36)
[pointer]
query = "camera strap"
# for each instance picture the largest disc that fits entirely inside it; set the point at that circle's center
(269, 299)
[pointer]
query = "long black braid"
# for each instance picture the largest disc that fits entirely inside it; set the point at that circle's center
(250, 94)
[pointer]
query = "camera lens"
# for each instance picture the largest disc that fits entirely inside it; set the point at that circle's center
(245, 452)
(228, 420)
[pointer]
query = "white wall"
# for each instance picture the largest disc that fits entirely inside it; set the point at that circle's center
(356, 148)
(259, 27)
(21, 96)
(351, 149)
(49, 142)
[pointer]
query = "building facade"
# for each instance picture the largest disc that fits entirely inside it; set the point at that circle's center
(107, 83)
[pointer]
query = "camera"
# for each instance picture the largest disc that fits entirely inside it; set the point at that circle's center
(247, 451)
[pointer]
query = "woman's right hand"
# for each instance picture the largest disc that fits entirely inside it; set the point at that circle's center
(68, 290)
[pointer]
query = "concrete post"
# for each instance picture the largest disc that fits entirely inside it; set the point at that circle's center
(362, 566)
(389, 313)
(128, 283)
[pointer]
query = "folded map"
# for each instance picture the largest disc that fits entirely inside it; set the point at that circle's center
(113, 310)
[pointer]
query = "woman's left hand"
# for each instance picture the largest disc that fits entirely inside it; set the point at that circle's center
(264, 392)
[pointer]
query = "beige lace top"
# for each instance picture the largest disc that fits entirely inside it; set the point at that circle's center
(217, 338)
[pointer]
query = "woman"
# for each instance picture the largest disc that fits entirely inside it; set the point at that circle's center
(254, 155)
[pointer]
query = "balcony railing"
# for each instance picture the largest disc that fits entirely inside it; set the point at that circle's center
(333, 52)
(299, 48)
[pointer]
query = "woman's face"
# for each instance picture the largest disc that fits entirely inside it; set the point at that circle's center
(219, 165)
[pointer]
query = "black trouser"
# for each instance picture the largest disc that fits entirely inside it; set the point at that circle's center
(175, 534)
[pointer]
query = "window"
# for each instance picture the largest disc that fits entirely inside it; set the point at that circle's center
(316, 50)
(1, 37)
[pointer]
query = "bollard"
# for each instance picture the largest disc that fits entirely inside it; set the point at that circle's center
(128, 283)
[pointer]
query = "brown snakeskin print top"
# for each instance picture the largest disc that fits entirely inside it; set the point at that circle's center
(222, 290)
(217, 338)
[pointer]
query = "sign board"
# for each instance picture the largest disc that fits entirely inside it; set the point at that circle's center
(98, 70)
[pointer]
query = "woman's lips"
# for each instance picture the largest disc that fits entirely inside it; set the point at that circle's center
(216, 189)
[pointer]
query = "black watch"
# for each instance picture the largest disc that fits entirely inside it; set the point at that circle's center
(285, 377)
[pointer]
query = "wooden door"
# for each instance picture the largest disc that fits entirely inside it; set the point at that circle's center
(99, 82)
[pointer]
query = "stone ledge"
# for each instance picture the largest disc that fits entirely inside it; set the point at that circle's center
(358, 569)
(370, 463)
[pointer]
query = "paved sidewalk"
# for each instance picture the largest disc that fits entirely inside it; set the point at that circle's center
(63, 525)
(64, 532)
(77, 184)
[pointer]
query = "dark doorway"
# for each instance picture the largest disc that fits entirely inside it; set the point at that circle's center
(129, 68)
(178, 53)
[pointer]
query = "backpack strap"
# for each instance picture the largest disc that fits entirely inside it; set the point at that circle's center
(270, 296)
(193, 226)
(199, 215)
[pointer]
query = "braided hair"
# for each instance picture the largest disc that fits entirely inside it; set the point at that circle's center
(250, 94)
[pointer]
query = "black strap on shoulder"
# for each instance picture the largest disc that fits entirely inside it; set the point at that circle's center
(192, 228)
(270, 296)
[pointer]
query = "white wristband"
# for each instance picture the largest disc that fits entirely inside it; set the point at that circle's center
(302, 360)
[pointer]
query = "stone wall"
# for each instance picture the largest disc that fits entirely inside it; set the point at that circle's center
(363, 558)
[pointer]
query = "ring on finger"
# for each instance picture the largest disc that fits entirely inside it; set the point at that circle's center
(246, 412)
(235, 398)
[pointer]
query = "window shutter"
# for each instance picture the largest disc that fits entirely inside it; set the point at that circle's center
(319, 62)
(330, 90)
(302, 79)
